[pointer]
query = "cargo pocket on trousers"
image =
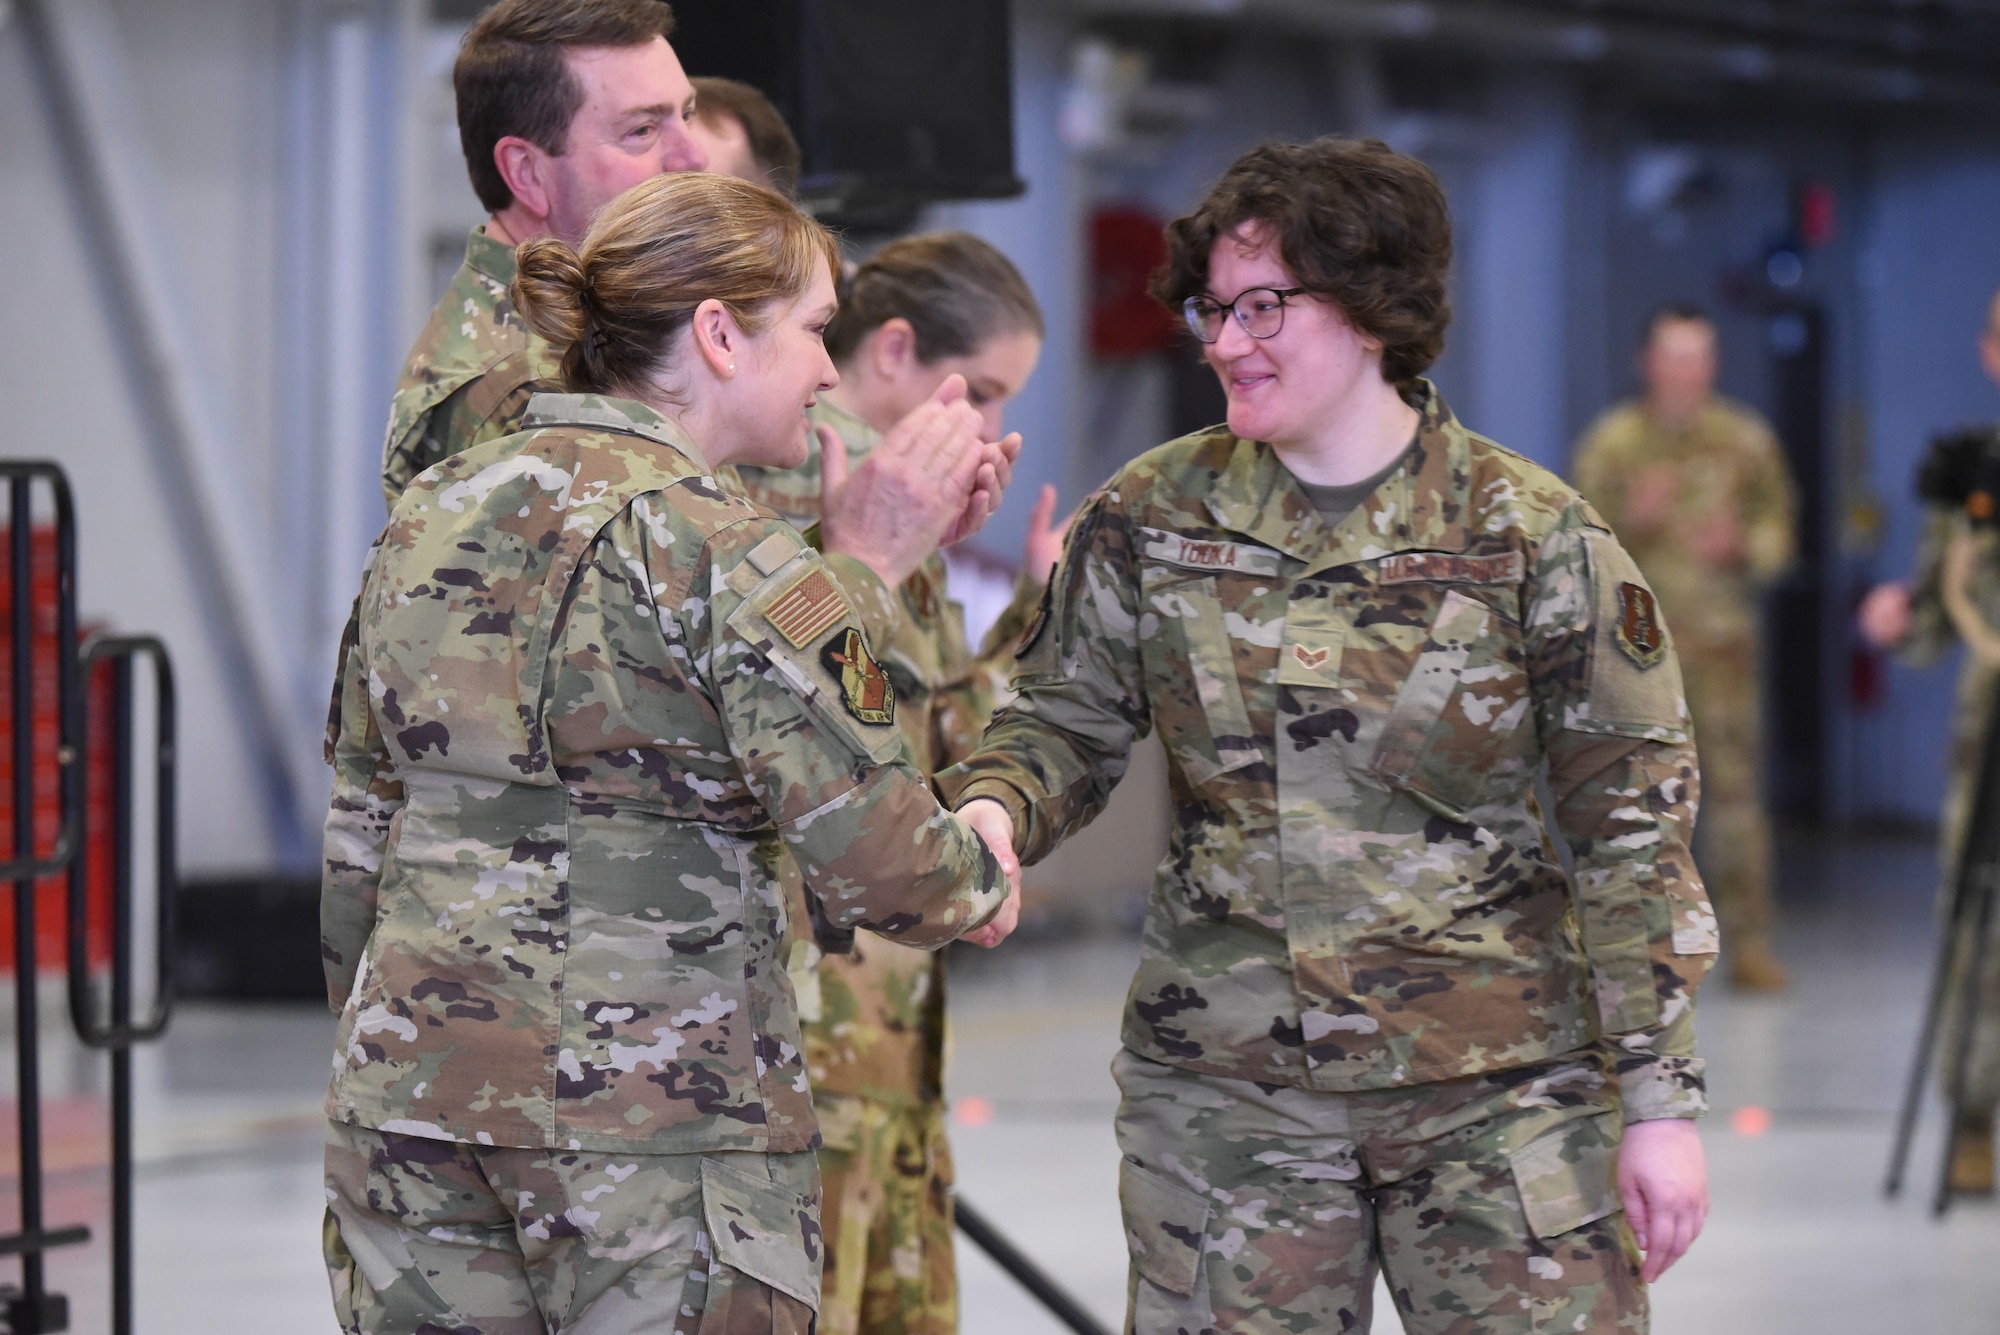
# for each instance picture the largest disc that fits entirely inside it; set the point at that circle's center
(1166, 1226)
(762, 1279)
(1578, 1277)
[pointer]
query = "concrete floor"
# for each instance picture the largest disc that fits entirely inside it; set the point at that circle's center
(1800, 1238)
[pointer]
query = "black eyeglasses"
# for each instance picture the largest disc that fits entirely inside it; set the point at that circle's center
(1260, 310)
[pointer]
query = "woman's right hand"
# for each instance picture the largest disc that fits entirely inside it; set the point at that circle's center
(1884, 615)
(990, 821)
(932, 480)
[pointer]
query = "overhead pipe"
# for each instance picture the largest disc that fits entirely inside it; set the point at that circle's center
(1745, 54)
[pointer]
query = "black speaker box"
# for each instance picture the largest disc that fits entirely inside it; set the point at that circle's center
(896, 103)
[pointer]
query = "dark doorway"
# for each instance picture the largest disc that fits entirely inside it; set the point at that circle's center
(1795, 619)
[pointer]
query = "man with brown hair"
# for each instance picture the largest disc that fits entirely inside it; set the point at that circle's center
(1697, 488)
(743, 135)
(562, 106)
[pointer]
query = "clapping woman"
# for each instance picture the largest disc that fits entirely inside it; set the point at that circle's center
(588, 696)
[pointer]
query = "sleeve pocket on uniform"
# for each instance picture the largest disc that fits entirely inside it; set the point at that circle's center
(1164, 1228)
(762, 1229)
(1635, 680)
(810, 681)
(1568, 1177)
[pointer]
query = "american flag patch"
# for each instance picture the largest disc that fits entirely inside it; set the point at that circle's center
(807, 608)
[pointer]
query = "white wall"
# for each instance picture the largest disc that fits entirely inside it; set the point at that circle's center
(204, 87)
(254, 150)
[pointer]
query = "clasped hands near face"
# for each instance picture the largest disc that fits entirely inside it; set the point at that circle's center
(931, 482)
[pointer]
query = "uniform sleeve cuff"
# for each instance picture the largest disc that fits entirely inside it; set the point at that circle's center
(996, 790)
(1662, 1088)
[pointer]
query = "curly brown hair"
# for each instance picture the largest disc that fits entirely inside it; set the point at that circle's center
(1356, 222)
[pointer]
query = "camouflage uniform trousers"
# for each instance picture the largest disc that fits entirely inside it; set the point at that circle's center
(1733, 839)
(1974, 711)
(886, 1175)
(439, 1237)
(1488, 1202)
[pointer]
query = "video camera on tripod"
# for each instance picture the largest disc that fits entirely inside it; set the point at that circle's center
(1961, 471)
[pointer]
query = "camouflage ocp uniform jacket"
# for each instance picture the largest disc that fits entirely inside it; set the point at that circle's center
(1359, 892)
(471, 371)
(589, 698)
(1725, 462)
(875, 1029)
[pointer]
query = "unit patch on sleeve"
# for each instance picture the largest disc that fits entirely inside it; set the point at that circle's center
(808, 608)
(1451, 568)
(1641, 634)
(864, 686)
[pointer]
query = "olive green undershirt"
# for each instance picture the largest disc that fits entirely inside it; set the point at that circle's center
(1335, 503)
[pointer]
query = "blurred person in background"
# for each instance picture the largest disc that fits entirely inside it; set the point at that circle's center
(1695, 486)
(590, 698)
(919, 312)
(1375, 1025)
(742, 135)
(1955, 596)
(562, 105)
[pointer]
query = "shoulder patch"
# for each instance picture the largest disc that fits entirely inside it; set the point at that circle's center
(864, 687)
(806, 608)
(1449, 568)
(1641, 635)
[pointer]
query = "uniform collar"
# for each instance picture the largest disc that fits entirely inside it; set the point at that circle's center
(610, 414)
(490, 256)
(1421, 506)
(859, 437)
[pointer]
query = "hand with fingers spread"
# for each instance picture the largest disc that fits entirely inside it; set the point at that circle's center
(990, 821)
(916, 491)
(1885, 615)
(1044, 544)
(1663, 1183)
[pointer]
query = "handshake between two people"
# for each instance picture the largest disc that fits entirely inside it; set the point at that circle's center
(990, 821)
(931, 482)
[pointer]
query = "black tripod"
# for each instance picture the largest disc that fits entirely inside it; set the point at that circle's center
(1967, 930)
